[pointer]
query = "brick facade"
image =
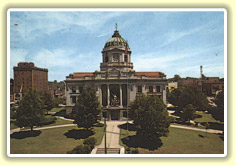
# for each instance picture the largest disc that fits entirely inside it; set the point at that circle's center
(27, 76)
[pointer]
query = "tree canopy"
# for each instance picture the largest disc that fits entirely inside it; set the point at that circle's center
(218, 111)
(87, 109)
(30, 112)
(46, 101)
(188, 113)
(183, 96)
(150, 117)
(176, 78)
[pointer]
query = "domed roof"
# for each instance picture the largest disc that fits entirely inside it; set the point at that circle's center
(116, 40)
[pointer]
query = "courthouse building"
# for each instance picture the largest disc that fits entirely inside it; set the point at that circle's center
(117, 83)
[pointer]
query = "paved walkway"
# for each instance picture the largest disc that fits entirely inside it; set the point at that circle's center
(112, 137)
(197, 129)
(42, 128)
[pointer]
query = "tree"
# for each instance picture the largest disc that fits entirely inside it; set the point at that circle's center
(189, 95)
(87, 109)
(30, 112)
(46, 101)
(176, 78)
(150, 117)
(188, 113)
(174, 97)
(13, 112)
(57, 101)
(218, 111)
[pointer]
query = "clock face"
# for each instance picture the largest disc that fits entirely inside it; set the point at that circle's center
(115, 57)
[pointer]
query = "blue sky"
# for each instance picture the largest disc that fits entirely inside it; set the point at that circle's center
(170, 42)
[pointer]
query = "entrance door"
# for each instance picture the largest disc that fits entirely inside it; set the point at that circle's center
(114, 114)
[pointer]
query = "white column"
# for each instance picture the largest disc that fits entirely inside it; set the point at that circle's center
(164, 95)
(120, 86)
(100, 94)
(108, 95)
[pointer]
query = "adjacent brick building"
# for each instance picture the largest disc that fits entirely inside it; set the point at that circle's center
(27, 76)
(211, 85)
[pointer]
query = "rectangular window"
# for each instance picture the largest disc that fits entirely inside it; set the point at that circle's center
(158, 88)
(139, 89)
(73, 89)
(74, 99)
(106, 59)
(80, 89)
(124, 113)
(125, 58)
(151, 89)
(104, 114)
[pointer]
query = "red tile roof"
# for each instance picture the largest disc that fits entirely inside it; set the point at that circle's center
(148, 74)
(83, 74)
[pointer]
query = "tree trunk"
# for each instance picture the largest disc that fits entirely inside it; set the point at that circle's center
(31, 128)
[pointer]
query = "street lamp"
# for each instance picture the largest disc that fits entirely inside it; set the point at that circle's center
(105, 146)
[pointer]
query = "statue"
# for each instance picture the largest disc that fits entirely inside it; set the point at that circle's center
(115, 101)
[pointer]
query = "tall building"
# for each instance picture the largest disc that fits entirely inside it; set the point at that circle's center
(27, 76)
(117, 84)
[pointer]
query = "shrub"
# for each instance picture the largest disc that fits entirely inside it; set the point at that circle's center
(172, 119)
(81, 149)
(99, 125)
(90, 141)
(48, 120)
(128, 150)
(13, 113)
(134, 151)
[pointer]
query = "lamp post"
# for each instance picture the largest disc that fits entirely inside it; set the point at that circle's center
(127, 123)
(105, 147)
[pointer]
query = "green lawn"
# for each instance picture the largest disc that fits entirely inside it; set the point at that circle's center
(59, 122)
(12, 124)
(206, 117)
(180, 141)
(51, 141)
(203, 118)
(56, 109)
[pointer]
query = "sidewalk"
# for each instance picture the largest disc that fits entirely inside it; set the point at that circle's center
(197, 129)
(42, 128)
(112, 137)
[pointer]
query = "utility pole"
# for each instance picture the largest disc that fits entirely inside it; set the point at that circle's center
(105, 147)
(201, 76)
(127, 94)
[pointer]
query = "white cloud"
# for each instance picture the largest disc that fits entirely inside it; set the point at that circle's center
(34, 24)
(52, 58)
(103, 34)
(62, 62)
(156, 60)
(173, 36)
(214, 69)
(167, 60)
